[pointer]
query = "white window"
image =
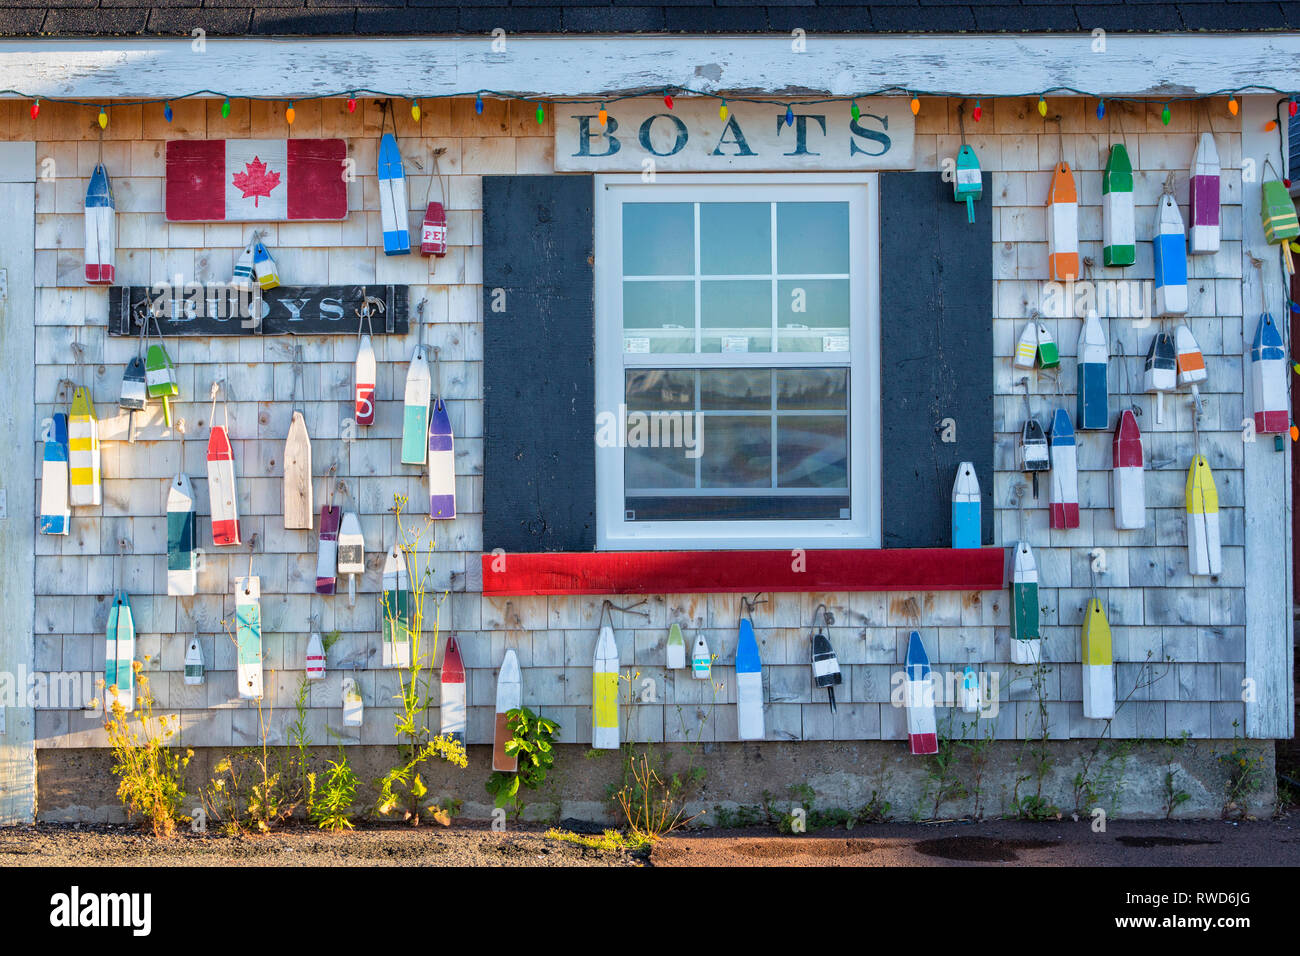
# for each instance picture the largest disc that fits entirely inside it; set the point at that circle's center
(737, 362)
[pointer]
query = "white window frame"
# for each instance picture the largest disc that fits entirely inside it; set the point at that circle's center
(863, 529)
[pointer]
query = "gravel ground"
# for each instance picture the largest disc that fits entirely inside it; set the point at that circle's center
(1126, 843)
(465, 844)
(1002, 842)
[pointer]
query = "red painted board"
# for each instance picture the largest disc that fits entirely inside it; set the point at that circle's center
(736, 572)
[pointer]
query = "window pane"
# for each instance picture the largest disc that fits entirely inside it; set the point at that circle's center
(658, 316)
(658, 389)
(812, 389)
(735, 238)
(736, 451)
(736, 316)
(814, 315)
(812, 451)
(656, 467)
(658, 239)
(812, 238)
(735, 389)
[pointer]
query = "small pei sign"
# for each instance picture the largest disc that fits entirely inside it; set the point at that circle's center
(644, 134)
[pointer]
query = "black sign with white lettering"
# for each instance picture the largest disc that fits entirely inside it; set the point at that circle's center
(222, 309)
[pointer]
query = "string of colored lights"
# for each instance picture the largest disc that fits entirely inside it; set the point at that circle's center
(1292, 97)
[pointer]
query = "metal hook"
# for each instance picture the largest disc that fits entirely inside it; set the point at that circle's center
(1128, 384)
(1263, 294)
(1053, 377)
(252, 546)
(436, 174)
(1019, 491)
(608, 606)
(297, 375)
(1060, 137)
(827, 617)
(747, 605)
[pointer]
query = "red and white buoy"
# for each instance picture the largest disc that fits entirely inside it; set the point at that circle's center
(1064, 492)
(1268, 374)
(1128, 485)
(433, 233)
(364, 382)
(223, 499)
(452, 705)
(315, 658)
(922, 734)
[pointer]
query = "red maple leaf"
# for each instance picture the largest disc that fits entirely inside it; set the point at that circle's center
(256, 181)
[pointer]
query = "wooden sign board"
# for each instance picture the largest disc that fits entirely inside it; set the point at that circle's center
(256, 180)
(220, 309)
(694, 137)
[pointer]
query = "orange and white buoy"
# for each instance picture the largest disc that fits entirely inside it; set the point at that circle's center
(1063, 226)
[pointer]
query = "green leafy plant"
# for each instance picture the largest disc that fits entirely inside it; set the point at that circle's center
(333, 804)
(1035, 760)
(417, 744)
(942, 783)
(1101, 778)
(532, 741)
(735, 818)
(651, 794)
(300, 760)
(445, 809)
(150, 774)
(611, 841)
(977, 743)
(1246, 777)
(261, 785)
(1034, 807)
(1174, 797)
(816, 818)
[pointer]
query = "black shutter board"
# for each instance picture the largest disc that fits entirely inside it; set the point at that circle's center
(539, 389)
(936, 338)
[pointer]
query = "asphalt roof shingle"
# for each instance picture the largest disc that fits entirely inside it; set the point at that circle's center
(70, 18)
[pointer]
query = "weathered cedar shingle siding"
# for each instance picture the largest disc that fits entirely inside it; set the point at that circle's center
(1179, 641)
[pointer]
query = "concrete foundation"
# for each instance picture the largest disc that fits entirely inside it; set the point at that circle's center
(763, 782)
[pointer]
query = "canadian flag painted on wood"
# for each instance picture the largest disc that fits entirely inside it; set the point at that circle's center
(256, 180)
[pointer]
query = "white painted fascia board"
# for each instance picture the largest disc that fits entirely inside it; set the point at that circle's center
(1269, 688)
(1159, 66)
